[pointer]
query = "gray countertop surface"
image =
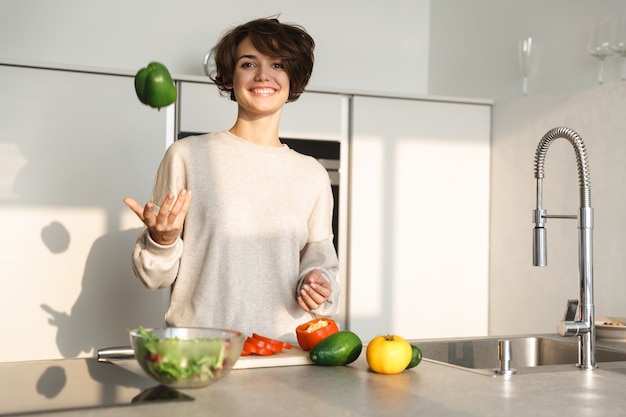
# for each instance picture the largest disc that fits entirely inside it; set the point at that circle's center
(430, 389)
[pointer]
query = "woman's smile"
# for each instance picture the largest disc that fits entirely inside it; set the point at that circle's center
(263, 91)
(258, 76)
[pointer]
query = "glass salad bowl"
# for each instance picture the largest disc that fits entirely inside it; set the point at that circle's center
(183, 357)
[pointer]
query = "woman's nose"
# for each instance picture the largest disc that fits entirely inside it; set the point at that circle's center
(261, 74)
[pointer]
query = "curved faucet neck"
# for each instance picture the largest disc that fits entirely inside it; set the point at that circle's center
(581, 161)
(584, 328)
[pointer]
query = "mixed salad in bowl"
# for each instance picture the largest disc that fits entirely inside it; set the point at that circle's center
(186, 357)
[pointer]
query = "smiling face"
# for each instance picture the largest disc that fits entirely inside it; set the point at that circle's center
(260, 82)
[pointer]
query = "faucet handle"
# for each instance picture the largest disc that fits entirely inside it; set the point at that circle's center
(571, 311)
(569, 326)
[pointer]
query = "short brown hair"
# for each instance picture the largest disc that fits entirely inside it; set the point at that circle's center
(289, 42)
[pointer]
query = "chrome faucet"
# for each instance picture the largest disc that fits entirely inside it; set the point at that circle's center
(584, 327)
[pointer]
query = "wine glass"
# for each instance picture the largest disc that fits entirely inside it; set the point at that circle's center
(525, 50)
(619, 42)
(600, 39)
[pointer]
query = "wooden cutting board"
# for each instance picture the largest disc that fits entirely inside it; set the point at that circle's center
(288, 357)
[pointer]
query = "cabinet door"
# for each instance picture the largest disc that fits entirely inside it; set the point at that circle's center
(419, 218)
(202, 109)
(313, 116)
(72, 145)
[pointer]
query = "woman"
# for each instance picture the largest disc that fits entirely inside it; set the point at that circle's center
(253, 250)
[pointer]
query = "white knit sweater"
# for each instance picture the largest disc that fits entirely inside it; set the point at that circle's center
(259, 221)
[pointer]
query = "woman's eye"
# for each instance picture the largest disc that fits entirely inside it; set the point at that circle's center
(279, 65)
(246, 65)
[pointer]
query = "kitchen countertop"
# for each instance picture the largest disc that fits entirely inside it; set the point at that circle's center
(432, 389)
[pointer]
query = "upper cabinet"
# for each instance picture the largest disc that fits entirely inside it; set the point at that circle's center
(313, 116)
(72, 145)
(419, 217)
(202, 109)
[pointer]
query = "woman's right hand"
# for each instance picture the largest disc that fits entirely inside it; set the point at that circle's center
(167, 225)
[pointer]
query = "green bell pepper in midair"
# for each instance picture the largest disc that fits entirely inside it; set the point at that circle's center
(154, 86)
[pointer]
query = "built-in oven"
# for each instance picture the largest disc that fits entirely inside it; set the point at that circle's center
(328, 153)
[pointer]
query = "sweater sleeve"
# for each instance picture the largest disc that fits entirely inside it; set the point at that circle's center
(322, 256)
(154, 264)
(319, 252)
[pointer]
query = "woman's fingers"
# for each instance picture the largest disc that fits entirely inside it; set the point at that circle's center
(165, 225)
(303, 305)
(178, 211)
(165, 210)
(314, 292)
(311, 296)
(316, 283)
(137, 208)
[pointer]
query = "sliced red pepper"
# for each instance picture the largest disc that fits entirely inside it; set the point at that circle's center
(265, 345)
(245, 352)
(308, 338)
(256, 350)
(284, 345)
(262, 345)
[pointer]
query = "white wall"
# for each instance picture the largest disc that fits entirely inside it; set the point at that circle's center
(445, 47)
(474, 46)
(528, 299)
(370, 45)
(473, 52)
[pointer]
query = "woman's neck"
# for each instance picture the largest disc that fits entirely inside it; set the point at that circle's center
(261, 131)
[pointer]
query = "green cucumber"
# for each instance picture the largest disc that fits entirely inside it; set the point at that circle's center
(338, 349)
(416, 357)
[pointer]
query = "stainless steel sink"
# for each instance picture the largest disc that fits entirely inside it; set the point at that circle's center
(528, 354)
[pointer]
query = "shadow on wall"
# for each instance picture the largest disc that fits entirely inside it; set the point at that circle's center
(56, 237)
(111, 300)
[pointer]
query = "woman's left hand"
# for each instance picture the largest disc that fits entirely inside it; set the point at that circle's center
(314, 291)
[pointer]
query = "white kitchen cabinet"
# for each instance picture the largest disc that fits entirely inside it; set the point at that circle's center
(314, 115)
(419, 218)
(202, 109)
(72, 145)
